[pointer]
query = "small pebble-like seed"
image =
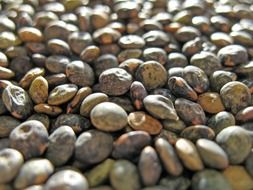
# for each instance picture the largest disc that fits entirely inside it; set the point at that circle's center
(6, 24)
(124, 176)
(11, 161)
(212, 154)
(174, 125)
(221, 39)
(196, 78)
(30, 34)
(58, 47)
(56, 79)
(235, 96)
(80, 73)
(33, 172)
(213, 180)
(151, 74)
(3, 60)
(104, 62)
(238, 178)
(196, 132)
(245, 115)
(36, 47)
(168, 157)
(75, 103)
(48, 109)
(206, 61)
(7, 124)
(219, 78)
(17, 101)
(171, 137)
(62, 94)
(30, 138)
(61, 145)
(99, 18)
(6, 73)
(43, 118)
(181, 88)
(7, 39)
(156, 38)
(100, 173)
(106, 35)
(115, 81)
(131, 42)
(64, 178)
(160, 107)
(236, 142)
(189, 155)
(26, 81)
(38, 90)
(220, 121)
(90, 53)
(93, 146)
(149, 166)
(129, 145)
(108, 116)
(124, 102)
(79, 40)
(138, 93)
(91, 101)
(232, 55)
(131, 65)
(77, 122)
(190, 112)
(175, 183)
(156, 54)
(144, 122)
(129, 54)
(211, 102)
(57, 63)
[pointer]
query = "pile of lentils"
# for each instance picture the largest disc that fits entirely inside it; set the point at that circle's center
(126, 95)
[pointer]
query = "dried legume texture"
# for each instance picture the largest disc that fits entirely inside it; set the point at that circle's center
(126, 95)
